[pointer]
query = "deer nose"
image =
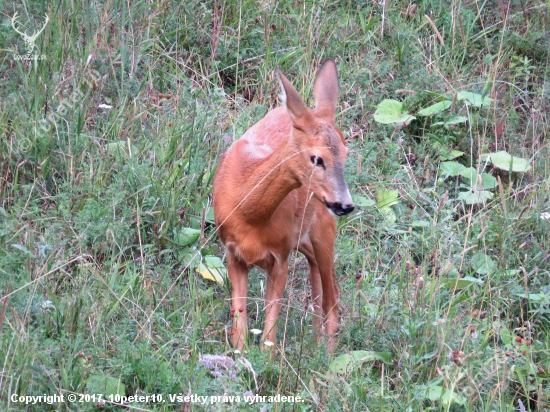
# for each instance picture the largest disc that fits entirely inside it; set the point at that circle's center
(340, 209)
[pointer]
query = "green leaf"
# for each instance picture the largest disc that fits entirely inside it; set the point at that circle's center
(421, 223)
(435, 108)
(389, 215)
(207, 177)
(469, 173)
(462, 282)
(488, 181)
(361, 201)
(186, 254)
(483, 264)
(505, 336)
(452, 120)
(510, 272)
(120, 148)
(445, 154)
(476, 100)
(351, 361)
(104, 384)
(206, 251)
(391, 112)
(475, 197)
(212, 268)
(505, 161)
(451, 169)
(21, 248)
(185, 236)
(533, 296)
(210, 215)
(445, 396)
(386, 198)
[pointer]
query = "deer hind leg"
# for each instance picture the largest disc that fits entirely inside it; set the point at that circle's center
(322, 236)
(238, 275)
(316, 286)
(276, 282)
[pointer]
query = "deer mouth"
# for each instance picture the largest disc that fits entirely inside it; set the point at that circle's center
(338, 208)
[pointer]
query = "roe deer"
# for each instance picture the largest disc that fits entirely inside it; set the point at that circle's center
(277, 188)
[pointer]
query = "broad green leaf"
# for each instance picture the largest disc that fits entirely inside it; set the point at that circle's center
(504, 161)
(462, 282)
(435, 108)
(488, 181)
(475, 197)
(451, 169)
(469, 173)
(510, 272)
(483, 264)
(185, 236)
(476, 100)
(207, 251)
(186, 254)
(351, 361)
(210, 215)
(195, 222)
(104, 384)
(212, 268)
(451, 121)
(445, 154)
(445, 396)
(505, 336)
(533, 296)
(386, 198)
(391, 112)
(361, 201)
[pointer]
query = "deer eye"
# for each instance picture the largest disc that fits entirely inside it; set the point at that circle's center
(317, 161)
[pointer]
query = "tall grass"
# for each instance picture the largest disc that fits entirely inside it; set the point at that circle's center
(108, 150)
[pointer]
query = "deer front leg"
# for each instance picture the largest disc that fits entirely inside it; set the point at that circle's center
(276, 282)
(316, 286)
(238, 275)
(322, 240)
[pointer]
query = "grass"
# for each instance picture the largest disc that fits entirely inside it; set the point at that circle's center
(445, 305)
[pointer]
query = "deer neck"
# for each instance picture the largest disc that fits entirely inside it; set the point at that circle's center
(270, 182)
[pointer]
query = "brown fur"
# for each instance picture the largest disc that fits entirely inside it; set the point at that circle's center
(271, 196)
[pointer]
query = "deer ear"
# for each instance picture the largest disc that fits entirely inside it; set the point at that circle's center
(326, 90)
(295, 106)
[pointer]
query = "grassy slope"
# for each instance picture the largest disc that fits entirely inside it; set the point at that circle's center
(92, 209)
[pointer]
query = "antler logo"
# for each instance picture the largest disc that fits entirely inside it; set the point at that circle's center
(29, 40)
